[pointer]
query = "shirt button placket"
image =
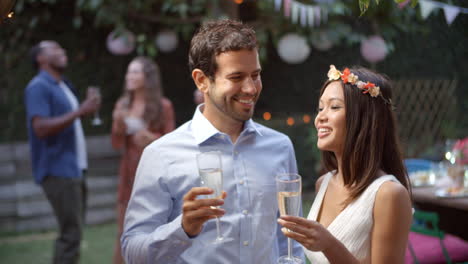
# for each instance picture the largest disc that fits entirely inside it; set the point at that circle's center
(245, 220)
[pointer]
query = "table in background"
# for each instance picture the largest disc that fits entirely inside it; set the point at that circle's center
(453, 212)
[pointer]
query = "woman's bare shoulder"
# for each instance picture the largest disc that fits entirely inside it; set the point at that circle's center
(391, 189)
(392, 197)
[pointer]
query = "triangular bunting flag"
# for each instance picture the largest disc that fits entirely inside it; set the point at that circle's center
(324, 15)
(310, 15)
(317, 15)
(451, 12)
(303, 15)
(426, 7)
(278, 4)
(287, 8)
(294, 11)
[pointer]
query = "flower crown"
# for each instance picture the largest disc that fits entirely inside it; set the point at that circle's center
(348, 77)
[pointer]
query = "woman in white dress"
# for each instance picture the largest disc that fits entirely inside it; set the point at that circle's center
(362, 211)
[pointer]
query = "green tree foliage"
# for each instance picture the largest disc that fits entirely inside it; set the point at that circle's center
(82, 26)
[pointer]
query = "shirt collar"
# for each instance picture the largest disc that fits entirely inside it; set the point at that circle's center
(251, 126)
(202, 129)
(44, 74)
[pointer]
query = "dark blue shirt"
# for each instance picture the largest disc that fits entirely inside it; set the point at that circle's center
(54, 155)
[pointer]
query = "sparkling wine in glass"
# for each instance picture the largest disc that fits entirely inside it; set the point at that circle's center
(95, 91)
(211, 175)
(289, 187)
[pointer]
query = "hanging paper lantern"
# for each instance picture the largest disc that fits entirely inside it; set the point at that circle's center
(322, 42)
(293, 48)
(121, 42)
(374, 49)
(166, 41)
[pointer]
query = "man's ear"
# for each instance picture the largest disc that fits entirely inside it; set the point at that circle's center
(201, 80)
(40, 58)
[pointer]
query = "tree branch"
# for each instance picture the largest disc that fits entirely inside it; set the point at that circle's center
(165, 19)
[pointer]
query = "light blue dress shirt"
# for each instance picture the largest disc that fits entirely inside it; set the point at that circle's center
(167, 171)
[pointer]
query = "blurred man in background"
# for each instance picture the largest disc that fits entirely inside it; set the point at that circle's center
(57, 142)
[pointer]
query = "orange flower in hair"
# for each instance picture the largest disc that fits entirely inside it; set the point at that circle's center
(345, 74)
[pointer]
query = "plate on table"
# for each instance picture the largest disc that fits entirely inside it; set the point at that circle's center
(451, 192)
(422, 178)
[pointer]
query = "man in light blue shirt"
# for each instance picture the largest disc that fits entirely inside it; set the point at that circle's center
(167, 220)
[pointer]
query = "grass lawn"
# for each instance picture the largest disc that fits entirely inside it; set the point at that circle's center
(97, 246)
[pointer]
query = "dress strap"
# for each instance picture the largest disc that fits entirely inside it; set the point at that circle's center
(371, 191)
(319, 197)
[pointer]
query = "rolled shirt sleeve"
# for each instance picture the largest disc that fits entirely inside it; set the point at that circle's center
(37, 101)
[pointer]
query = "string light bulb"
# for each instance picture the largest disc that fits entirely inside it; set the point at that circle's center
(10, 15)
(306, 118)
(266, 116)
(290, 121)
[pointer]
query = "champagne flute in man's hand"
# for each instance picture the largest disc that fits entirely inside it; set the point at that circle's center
(289, 188)
(95, 92)
(211, 174)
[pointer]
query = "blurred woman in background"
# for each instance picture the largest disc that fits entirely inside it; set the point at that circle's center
(141, 115)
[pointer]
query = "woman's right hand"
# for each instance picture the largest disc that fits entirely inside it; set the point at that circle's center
(118, 117)
(119, 113)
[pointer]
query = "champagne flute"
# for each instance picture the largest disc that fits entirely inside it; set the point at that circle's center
(289, 187)
(95, 91)
(449, 155)
(211, 174)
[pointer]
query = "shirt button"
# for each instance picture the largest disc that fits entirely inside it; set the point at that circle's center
(246, 243)
(241, 182)
(245, 212)
(236, 153)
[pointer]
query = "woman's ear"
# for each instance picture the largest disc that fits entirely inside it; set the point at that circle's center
(201, 80)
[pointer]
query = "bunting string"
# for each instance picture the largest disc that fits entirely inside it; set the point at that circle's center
(450, 11)
(313, 15)
(301, 13)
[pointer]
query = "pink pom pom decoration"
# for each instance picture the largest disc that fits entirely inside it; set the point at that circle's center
(374, 49)
(120, 43)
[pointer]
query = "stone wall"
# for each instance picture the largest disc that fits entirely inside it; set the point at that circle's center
(23, 205)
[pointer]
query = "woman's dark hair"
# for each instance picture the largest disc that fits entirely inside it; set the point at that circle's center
(216, 37)
(371, 141)
(153, 92)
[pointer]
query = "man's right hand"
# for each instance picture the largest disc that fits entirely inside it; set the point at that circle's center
(195, 212)
(90, 105)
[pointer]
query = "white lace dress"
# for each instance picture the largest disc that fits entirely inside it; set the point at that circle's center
(353, 225)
